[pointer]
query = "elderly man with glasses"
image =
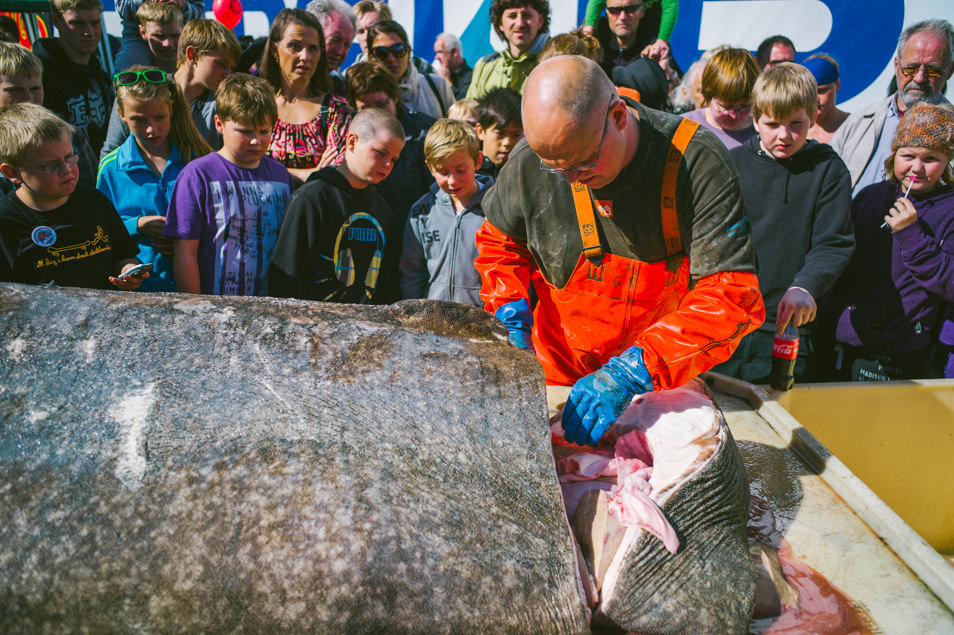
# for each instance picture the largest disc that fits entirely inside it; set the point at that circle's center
(924, 63)
(629, 225)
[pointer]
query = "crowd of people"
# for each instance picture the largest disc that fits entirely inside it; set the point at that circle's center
(730, 201)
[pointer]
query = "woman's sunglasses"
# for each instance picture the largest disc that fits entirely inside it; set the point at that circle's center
(151, 75)
(398, 50)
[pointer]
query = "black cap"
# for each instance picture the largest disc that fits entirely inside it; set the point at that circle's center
(646, 76)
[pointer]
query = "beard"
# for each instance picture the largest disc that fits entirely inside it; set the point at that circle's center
(926, 94)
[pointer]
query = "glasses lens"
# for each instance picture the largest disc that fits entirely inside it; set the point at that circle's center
(912, 69)
(127, 78)
(154, 75)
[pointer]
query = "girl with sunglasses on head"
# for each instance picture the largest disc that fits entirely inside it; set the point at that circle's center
(428, 93)
(312, 122)
(138, 176)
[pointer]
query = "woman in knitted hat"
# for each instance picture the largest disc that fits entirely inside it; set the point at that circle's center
(886, 308)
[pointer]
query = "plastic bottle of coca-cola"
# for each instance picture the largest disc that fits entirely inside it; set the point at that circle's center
(784, 354)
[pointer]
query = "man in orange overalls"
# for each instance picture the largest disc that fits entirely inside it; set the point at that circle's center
(629, 225)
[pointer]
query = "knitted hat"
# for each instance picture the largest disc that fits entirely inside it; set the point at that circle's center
(927, 126)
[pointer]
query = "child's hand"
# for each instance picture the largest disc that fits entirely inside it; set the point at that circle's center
(796, 305)
(153, 227)
(130, 283)
(901, 215)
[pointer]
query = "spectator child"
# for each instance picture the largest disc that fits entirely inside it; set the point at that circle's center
(139, 175)
(371, 85)
(437, 257)
(135, 50)
(464, 110)
(885, 309)
(797, 193)
(227, 206)
(21, 80)
(499, 128)
(75, 86)
(50, 229)
(727, 81)
(160, 25)
(207, 53)
(339, 241)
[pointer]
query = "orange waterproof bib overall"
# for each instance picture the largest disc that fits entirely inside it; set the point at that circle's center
(610, 300)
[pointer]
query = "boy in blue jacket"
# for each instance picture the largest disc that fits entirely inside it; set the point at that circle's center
(437, 258)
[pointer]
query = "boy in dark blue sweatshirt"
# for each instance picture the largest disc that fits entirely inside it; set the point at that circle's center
(798, 197)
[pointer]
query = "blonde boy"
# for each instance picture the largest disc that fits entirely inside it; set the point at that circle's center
(437, 258)
(798, 196)
(340, 241)
(206, 54)
(50, 230)
(227, 207)
(160, 25)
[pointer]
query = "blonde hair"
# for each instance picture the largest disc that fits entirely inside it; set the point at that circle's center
(158, 12)
(208, 36)
(367, 6)
(784, 89)
(246, 99)
(462, 107)
(59, 6)
(446, 137)
(572, 43)
(729, 75)
(19, 61)
(182, 131)
(25, 126)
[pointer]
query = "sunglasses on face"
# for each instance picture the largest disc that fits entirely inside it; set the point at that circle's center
(910, 70)
(128, 78)
(629, 8)
(398, 50)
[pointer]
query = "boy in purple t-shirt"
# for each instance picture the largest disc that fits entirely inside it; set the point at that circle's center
(227, 207)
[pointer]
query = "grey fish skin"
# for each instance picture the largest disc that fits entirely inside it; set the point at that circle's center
(176, 463)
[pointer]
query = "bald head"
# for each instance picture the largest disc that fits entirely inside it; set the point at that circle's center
(564, 98)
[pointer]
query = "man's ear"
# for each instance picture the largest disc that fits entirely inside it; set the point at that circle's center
(12, 173)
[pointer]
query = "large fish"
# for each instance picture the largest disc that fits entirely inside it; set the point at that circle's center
(201, 464)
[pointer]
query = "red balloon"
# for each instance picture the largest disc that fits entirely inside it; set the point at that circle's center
(228, 12)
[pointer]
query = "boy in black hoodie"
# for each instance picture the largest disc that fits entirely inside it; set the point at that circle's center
(340, 241)
(798, 197)
(75, 86)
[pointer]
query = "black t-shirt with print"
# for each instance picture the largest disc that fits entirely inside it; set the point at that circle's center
(75, 245)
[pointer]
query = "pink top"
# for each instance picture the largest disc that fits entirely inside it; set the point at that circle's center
(300, 145)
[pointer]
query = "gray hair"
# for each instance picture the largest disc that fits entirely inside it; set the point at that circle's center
(939, 27)
(452, 41)
(323, 8)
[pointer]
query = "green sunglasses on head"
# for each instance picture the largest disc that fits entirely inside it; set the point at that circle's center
(151, 75)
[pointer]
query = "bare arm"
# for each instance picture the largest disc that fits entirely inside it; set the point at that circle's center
(185, 265)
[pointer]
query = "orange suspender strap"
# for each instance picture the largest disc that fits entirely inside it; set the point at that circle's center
(670, 221)
(583, 201)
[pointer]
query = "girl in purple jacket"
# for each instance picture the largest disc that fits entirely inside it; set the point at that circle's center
(888, 304)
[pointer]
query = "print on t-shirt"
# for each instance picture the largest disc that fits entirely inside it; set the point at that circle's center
(359, 250)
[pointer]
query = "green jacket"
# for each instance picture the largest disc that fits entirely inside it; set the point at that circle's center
(667, 21)
(501, 70)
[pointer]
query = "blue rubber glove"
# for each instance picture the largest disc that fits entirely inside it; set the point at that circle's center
(518, 318)
(598, 399)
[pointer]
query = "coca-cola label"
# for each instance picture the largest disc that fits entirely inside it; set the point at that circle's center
(785, 349)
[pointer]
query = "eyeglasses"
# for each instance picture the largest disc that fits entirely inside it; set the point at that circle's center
(398, 50)
(151, 75)
(576, 171)
(933, 72)
(741, 109)
(628, 8)
(55, 167)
